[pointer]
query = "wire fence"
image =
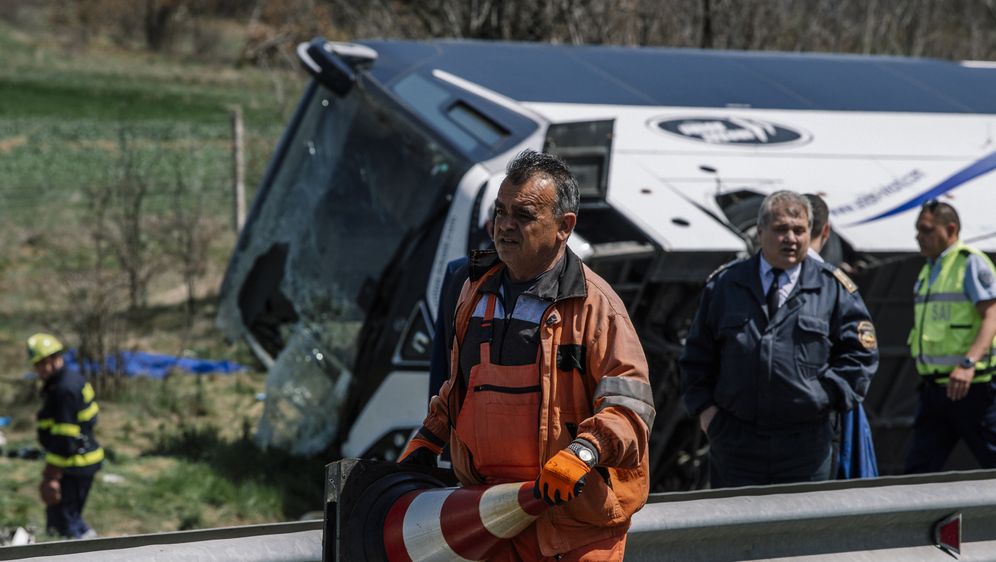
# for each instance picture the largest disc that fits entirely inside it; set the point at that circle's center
(54, 172)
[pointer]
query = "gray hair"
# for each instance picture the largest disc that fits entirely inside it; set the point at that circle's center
(789, 201)
(529, 163)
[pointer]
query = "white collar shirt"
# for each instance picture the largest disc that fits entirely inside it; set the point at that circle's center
(786, 281)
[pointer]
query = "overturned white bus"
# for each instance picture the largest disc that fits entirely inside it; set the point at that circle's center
(388, 167)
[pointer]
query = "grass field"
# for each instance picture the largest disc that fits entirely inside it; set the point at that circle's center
(180, 457)
(62, 113)
(74, 124)
(70, 119)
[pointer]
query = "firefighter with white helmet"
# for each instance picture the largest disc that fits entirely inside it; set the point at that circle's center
(65, 430)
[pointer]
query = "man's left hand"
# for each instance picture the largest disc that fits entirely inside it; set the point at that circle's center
(421, 452)
(959, 382)
(561, 479)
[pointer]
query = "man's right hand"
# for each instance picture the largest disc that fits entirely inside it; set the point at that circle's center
(50, 490)
(959, 381)
(705, 418)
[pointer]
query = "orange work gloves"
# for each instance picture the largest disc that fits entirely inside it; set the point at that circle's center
(563, 476)
(420, 451)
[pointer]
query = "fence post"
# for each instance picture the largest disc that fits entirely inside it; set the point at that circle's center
(239, 215)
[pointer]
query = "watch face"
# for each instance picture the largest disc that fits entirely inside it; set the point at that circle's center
(585, 455)
(967, 362)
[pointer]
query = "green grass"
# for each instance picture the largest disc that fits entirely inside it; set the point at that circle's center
(243, 464)
(180, 454)
(62, 113)
(42, 77)
(108, 100)
(53, 162)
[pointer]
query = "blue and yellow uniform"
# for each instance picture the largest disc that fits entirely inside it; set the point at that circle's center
(65, 430)
(775, 381)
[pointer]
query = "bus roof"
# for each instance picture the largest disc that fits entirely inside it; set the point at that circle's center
(532, 72)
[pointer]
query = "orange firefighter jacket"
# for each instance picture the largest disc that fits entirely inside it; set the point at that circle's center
(606, 396)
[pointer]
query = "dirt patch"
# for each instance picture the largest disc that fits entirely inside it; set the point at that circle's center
(9, 144)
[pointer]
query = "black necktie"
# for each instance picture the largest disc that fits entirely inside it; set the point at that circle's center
(772, 296)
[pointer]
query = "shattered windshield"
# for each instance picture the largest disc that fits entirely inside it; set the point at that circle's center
(354, 179)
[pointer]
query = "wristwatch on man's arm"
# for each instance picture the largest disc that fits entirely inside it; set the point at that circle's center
(585, 451)
(563, 476)
(967, 362)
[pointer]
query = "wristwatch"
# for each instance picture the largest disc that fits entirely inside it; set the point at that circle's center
(966, 362)
(586, 455)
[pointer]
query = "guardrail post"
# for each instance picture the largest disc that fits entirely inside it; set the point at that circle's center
(358, 495)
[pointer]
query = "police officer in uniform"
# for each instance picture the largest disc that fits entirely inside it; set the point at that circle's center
(778, 343)
(65, 431)
(954, 323)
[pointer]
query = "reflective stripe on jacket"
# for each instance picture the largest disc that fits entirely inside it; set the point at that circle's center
(66, 421)
(603, 396)
(945, 320)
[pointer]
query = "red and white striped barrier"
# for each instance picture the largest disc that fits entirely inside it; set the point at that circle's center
(458, 523)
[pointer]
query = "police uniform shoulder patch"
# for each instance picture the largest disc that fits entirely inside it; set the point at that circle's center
(866, 335)
(845, 280)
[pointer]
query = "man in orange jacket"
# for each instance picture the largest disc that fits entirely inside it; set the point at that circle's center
(548, 380)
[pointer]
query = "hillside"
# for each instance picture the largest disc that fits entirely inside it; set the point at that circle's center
(116, 214)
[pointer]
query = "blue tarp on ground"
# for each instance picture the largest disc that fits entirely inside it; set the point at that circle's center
(155, 365)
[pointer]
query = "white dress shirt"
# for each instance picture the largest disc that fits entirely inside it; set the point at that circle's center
(786, 281)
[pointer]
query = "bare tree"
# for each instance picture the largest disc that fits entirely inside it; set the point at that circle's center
(937, 28)
(90, 288)
(160, 18)
(127, 235)
(189, 233)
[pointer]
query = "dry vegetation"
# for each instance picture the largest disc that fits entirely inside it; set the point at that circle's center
(179, 457)
(115, 218)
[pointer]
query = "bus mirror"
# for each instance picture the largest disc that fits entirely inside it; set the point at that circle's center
(335, 65)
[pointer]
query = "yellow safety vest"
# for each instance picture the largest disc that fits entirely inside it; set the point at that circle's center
(945, 321)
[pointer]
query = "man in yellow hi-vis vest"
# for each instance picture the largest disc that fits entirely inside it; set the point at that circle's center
(954, 322)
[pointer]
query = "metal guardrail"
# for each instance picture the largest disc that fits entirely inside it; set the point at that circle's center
(278, 542)
(881, 520)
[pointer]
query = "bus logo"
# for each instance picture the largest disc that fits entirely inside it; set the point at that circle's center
(735, 131)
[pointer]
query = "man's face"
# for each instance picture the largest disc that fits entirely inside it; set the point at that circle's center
(527, 233)
(49, 366)
(785, 239)
(933, 236)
